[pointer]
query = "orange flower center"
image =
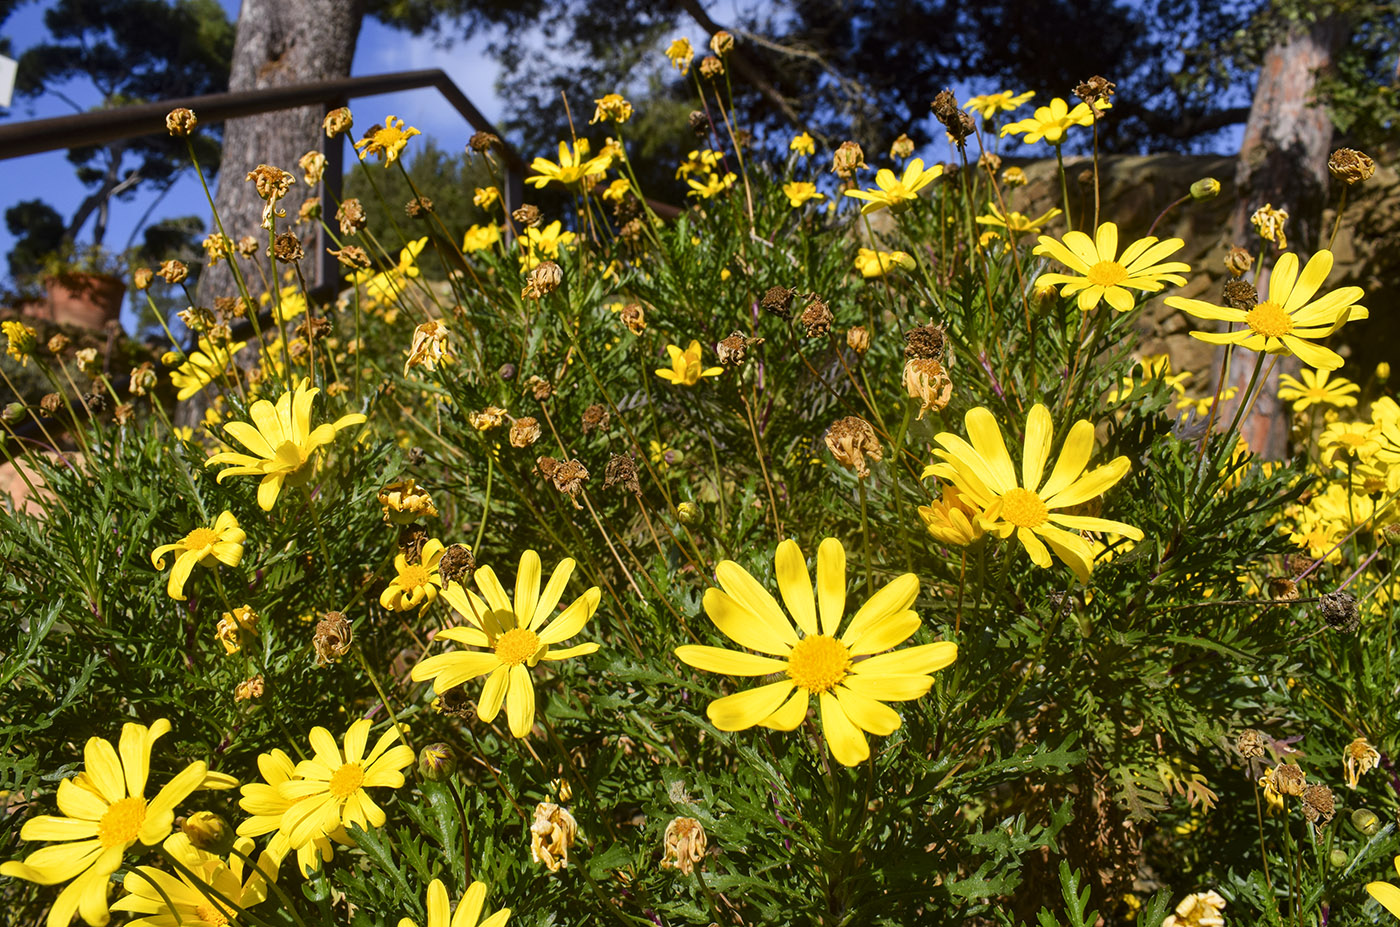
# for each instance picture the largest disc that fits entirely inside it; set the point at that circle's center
(413, 576)
(1269, 320)
(517, 646)
(818, 663)
(1107, 273)
(346, 781)
(1023, 508)
(200, 538)
(210, 915)
(121, 824)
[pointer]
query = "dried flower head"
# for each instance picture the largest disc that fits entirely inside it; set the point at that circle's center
(848, 159)
(272, 183)
(287, 248)
(528, 216)
(403, 502)
(488, 418)
(684, 845)
(721, 43)
(50, 404)
(58, 343)
(858, 339)
(1287, 779)
(181, 122)
(730, 351)
(332, 638)
(778, 300)
(544, 278)
(710, 67)
(1095, 90)
(350, 216)
(925, 341)
(1270, 222)
(634, 317)
(1250, 743)
(88, 362)
(552, 835)
(1240, 294)
(141, 277)
(927, 381)
(1340, 611)
(1014, 177)
(1359, 758)
(568, 476)
(816, 318)
(989, 161)
(313, 167)
(247, 246)
(959, 124)
(483, 142)
(1238, 261)
(1199, 909)
(621, 471)
(352, 256)
(173, 271)
(143, 379)
(420, 207)
(338, 121)
(852, 441)
(539, 387)
(1351, 166)
(429, 346)
(611, 107)
(524, 432)
(457, 565)
(1318, 805)
(595, 417)
(902, 148)
(1281, 587)
(250, 688)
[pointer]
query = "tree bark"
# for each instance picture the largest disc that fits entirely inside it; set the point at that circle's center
(277, 43)
(1283, 162)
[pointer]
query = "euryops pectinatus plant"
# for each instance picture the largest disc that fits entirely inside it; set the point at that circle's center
(821, 552)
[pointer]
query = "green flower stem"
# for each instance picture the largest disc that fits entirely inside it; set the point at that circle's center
(451, 787)
(379, 689)
(486, 503)
(1337, 225)
(865, 534)
(1064, 187)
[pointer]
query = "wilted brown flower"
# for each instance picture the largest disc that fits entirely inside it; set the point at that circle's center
(313, 167)
(287, 248)
(927, 381)
(143, 379)
(1094, 90)
(542, 280)
(88, 362)
(730, 351)
(539, 387)
(528, 216)
(1240, 294)
(710, 67)
(58, 343)
(124, 413)
(1359, 758)
(816, 318)
(1318, 805)
(1238, 261)
(684, 845)
(173, 271)
(412, 539)
(1281, 587)
(482, 142)
(1288, 779)
(989, 161)
(272, 183)
(634, 317)
(247, 246)
(1340, 611)
(958, 123)
(848, 159)
(332, 638)
(309, 210)
(925, 341)
(524, 432)
(621, 470)
(568, 477)
(488, 418)
(350, 216)
(721, 43)
(595, 416)
(699, 123)
(778, 300)
(1351, 166)
(180, 122)
(858, 339)
(902, 148)
(429, 346)
(403, 502)
(552, 834)
(338, 121)
(546, 465)
(249, 689)
(50, 404)
(457, 564)
(852, 441)
(418, 207)
(1250, 743)
(351, 256)
(141, 277)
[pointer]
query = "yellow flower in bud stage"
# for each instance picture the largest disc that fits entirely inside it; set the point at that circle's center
(1102, 276)
(415, 583)
(851, 676)
(387, 141)
(266, 806)
(480, 237)
(803, 145)
(989, 104)
(1317, 386)
(713, 186)
(203, 366)
(952, 519)
(1051, 122)
(486, 197)
(1386, 894)
(686, 368)
(284, 446)
(1290, 320)
(680, 54)
(1017, 223)
(166, 899)
(878, 263)
(897, 193)
(206, 547)
(467, 914)
(105, 813)
(328, 792)
(1026, 508)
(514, 635)
(574, 165)
(799, 192)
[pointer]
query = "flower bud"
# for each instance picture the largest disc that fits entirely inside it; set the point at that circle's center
(1366, 821)
(1207, 188)
(690, 513)
(208, 832)
(14, 413)
(437, 762)
(1338, 859)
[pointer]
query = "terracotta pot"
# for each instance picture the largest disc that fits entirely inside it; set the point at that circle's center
(85, 300)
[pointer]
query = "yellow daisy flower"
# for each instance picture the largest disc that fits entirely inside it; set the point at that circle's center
(1051, 122)
(106, 813)
(515, 635)
(851, 676)
(282, 442)
(989, 104)
(202, 366)
(897, 193)
(1101, 276)
(713, 186)
(166, 900)
(1015, 222)
(480, 237)
(21, 340)
(1385, 893)
(1317, 386)
(486, 197)
(686, 369)
(329, 791)
(611, 107)
(803, 144)
(414, 583)
(680, 54)
(984, 472)
(872, 263)
(799, 192)
(266, 806)
(387, 140)
(468, 913)
(537, 245)
(574, 165)
(206, 547)
(1290, 320)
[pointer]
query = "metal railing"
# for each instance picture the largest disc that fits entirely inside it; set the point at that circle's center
(108, 125)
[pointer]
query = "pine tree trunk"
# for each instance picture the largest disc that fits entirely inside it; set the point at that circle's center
(277, 43)
(1283, 163)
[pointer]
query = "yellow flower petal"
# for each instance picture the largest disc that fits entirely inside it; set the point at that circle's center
(846, 741)
(795, 584)
(743, 710)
